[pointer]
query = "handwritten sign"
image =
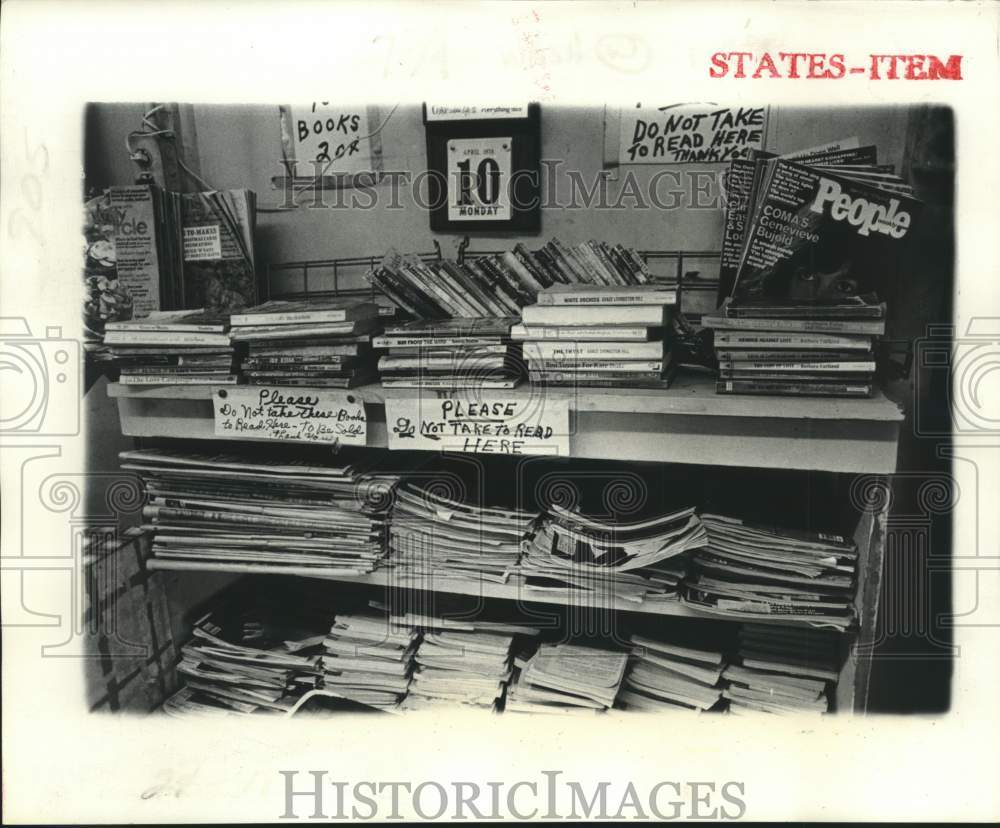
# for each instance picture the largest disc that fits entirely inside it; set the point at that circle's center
(682, 133)
(313, 415)
(479, 179)
(324, 138)
(495, 425)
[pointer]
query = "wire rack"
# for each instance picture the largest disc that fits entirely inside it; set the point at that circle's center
(693, 272)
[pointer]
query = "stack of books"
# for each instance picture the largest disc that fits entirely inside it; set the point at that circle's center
(369, 660)
(665, 675)
(172, 348)
(811, 241)
(567, 677)
(762, 572)
(610, 561)
(269, 511)
(797, 350)
(500, 285)
(783, 670)
(609, 337)
(433, 537)
(315, 343)
(244, 668)
(470, 667)
(451, 353)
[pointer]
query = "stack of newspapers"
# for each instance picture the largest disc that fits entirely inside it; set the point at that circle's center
(368, 659)
(467, 663)
(449, 353)
(590, 559)
(318, 343)
(665, 675)
(432, 537)
(270, 511)
(783, 670)
(243, 666)
(752, 571)
(607, 336)
(567, 677)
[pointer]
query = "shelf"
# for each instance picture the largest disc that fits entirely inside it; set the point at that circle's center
(386, 578)
(689, 423)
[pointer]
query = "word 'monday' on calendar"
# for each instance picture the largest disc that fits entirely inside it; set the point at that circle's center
(493, 425)
(313, 415)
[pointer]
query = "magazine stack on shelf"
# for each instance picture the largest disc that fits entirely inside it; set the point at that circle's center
(665, 675)
(821, 236)
(369, 660)
(463, 663)
(761, 572)
(172, 348)
(319, 343)
(782, 670)
(246, 667)
(266, 510)
(500, 285)
(432, 537)
(608, 336)
(450, 353)
(561, 678)
(616, 562)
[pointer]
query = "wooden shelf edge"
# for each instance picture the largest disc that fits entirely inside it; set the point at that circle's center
(689, 396)
(508, 592)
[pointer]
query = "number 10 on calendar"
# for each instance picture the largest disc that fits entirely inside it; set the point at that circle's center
(478, 172)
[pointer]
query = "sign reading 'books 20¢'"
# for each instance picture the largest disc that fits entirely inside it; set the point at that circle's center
(487, 425)
(311, 415)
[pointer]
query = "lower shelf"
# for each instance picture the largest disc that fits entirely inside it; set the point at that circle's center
(387, 578)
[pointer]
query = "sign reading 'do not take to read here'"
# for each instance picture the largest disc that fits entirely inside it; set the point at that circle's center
(482, 426)
(682, 133)
(314, 415)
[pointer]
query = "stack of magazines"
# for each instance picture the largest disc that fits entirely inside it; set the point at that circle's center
(811, 241)
(608, 336)
(315, 343)
(172, 348)
(631, 562)
(464, 666)
(450, 353)
(501, 284)
(664, 675)
(244, 667)
(761, 572)
(782, 670)
(369, 660)
(432, 537)
(274, 513)
(567, 677)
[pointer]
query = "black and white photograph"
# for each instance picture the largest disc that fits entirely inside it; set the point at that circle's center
(507, 412)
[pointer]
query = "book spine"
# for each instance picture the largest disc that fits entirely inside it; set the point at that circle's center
(871, 328)
(738, 339)
(529, 263)
(605, 382)
(579, 376)
(595, 350)
(431, 341)
(786, 355)
(180, 379)
(652, 316)
(165, 339)
(597, 297)
(595, 333)
(848, 367)
(165, 327)
(288, 318)
(590, 365)
(806, 312)
(794, 389)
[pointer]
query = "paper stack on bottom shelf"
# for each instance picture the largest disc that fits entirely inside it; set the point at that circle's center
(783, 670)
(561, 678)
(253, 674)
(369, 660)
(664, 675)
